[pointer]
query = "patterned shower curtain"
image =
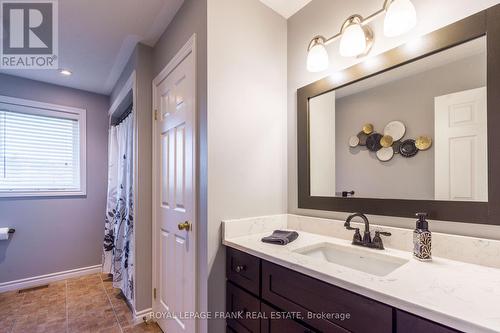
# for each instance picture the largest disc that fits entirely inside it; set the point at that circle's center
(118, 254)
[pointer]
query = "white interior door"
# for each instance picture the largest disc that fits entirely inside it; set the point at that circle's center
(174, 199)
(461, 146)
(322, 145)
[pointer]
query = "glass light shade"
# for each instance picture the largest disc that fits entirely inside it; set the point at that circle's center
(317, 58)
(353, 41)
(400, 18)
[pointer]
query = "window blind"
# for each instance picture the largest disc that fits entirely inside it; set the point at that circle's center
(38, 153)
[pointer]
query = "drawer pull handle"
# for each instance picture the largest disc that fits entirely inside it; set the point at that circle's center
(240, 268)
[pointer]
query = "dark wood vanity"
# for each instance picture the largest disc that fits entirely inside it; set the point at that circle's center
(271, 299)
(283, 300)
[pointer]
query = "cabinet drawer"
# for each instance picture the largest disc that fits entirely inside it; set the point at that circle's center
(408, 323)
(244, 270)
(270, 325)
(292, 291)
(240, 301)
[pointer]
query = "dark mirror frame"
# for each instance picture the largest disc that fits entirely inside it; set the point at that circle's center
(486, 22)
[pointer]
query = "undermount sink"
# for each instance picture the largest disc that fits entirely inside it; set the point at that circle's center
(360, 259)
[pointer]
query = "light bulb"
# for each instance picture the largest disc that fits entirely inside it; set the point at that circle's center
(400, 18)
(353, 41)
(317, 57)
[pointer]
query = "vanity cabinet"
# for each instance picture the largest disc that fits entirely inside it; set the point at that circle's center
(244, 270)
(239, 301)
(409, 323)
(276, 324)
(292, 291)
(263, 292)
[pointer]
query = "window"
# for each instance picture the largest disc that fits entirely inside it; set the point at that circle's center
(42, 149)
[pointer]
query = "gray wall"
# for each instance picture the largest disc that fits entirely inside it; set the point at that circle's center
(246, 124)
(325, 17)
(59, 233)
(130, 66)
(192, 18)
(148, 62)
(144, 180)
(410, 100)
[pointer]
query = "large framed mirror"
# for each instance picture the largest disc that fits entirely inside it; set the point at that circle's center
(412, 129)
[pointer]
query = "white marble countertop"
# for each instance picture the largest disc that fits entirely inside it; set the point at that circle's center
(459, 295)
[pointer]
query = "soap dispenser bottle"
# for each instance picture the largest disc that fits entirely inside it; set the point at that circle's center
(422, 241)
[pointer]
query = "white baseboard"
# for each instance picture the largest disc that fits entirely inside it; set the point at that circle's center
(48, 278)
(139, 315)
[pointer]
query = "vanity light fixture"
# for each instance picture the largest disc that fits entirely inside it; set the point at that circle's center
(356, 38)
(317, 57)
(400, 17)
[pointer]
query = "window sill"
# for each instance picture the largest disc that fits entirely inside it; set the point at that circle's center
(53, 194)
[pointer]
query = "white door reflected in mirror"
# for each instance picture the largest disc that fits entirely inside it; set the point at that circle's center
(461, 146)
(322, 143)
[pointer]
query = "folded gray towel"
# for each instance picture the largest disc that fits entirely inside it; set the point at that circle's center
(281, 237)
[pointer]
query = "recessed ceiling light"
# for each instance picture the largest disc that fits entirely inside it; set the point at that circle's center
(65, 72)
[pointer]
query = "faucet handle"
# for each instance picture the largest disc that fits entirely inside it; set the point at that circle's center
(377, 240)
(356, 238)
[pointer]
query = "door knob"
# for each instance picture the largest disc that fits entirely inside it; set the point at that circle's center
(184, 226)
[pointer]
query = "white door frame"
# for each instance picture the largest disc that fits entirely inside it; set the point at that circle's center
(189, 47)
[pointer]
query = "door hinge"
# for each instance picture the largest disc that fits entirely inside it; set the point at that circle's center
(156, 114)
(154, 293)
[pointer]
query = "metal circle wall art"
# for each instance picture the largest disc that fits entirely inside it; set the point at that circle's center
(391, 142)
(353, 141)
(362, 136)
(367, 128)
(386, 141)
(396, 129)
(395, 146)
(373, 142)
(423, 142)
(385, 154)
(408, 148)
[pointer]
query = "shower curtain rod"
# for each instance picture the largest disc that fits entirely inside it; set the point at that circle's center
(124, 115)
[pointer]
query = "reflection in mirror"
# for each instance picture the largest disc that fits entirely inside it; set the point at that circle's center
(416, 132)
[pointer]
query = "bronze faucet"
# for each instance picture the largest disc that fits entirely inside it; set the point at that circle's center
(366, 240)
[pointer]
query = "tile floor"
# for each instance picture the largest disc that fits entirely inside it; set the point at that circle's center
(87, 304)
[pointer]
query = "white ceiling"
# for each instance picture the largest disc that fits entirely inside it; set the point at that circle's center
(97, 37)
(286, 8)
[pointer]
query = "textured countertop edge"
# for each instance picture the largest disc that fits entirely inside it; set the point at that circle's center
(457, 323)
